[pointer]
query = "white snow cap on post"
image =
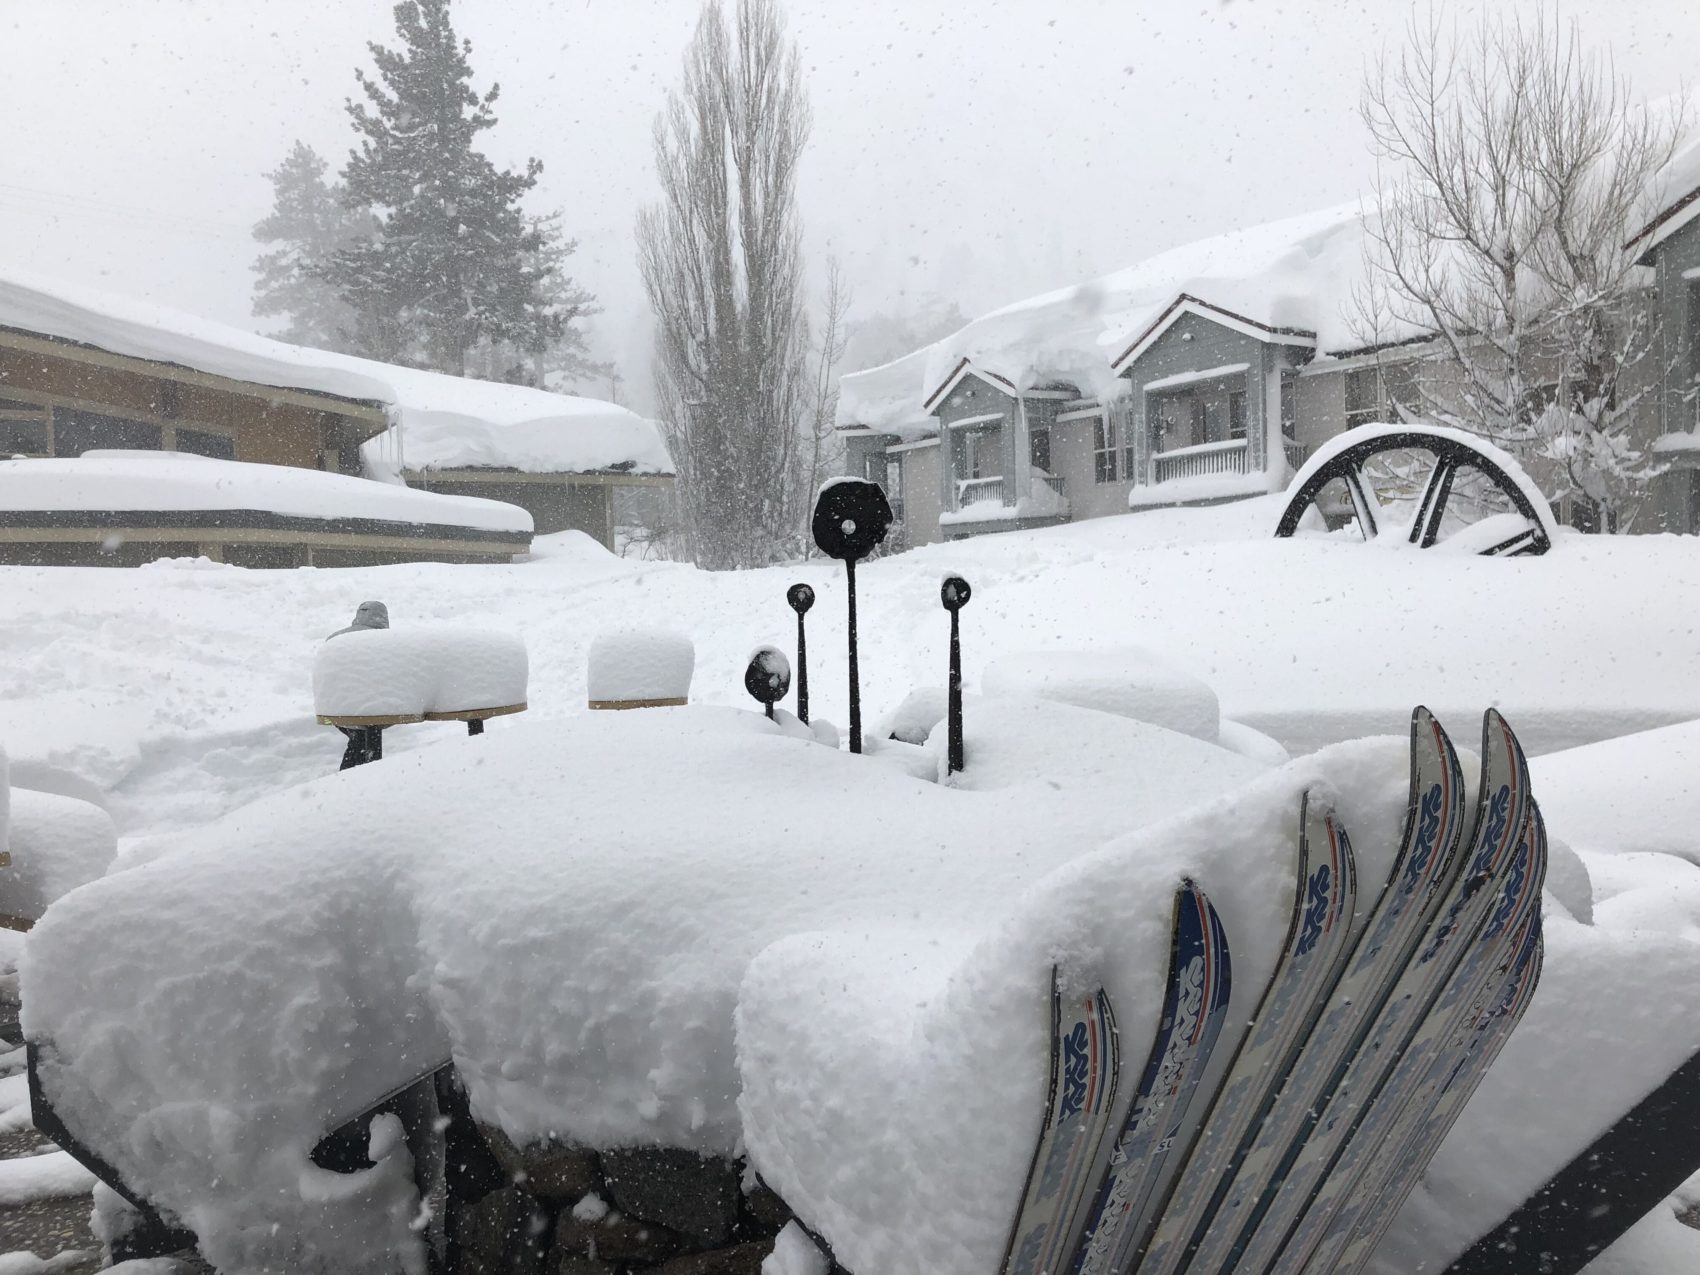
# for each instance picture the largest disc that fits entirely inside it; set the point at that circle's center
(1127, 681)
(408, 673)
(640, 668)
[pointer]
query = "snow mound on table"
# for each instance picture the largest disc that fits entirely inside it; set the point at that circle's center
(1131, 681)
(413, 671)
(181, 483)
(56, 843)
(640, 664)
(566, 908)
(892, 1076)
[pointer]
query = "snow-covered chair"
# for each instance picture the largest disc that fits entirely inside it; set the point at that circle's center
(49, 845)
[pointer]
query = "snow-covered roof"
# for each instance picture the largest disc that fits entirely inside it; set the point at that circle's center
(464, 421)
(447, 426)
(1291, 276)
(133, 482)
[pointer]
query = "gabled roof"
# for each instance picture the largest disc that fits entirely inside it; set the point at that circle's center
(1186, 304)
(965, 368)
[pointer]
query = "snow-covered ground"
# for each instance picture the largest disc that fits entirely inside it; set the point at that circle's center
(183, 690)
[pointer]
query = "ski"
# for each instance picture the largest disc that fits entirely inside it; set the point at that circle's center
(1084, 1062)
(1437, 1107)
(1194, 1007)
(1433, 824)
(1382, 1124)
(1324, 897)
(1412, 981)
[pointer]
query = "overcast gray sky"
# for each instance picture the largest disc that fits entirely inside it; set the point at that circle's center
(980, 150)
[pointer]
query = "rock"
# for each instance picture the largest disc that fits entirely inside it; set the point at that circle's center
(740, 1259)
(504, 1232)
(616, 1238)
(683, 1191)
(549, 1170)
(766, 1211)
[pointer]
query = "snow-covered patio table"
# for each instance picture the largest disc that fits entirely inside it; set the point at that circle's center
(697, 929)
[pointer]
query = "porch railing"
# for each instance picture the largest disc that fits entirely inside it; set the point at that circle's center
(978, 491)
(1226, 457)
(1295, 452)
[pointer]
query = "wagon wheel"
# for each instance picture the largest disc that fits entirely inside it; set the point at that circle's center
(1455, 465)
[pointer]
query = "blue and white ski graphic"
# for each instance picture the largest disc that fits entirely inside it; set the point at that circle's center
(1438, 1105)
(1355, 1086)
(1434, 823)
(1325, 896)
(1194, 1006)
(1084, 1061)
(1387, 1120)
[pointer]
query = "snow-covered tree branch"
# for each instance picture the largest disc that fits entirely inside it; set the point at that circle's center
(1514, 164)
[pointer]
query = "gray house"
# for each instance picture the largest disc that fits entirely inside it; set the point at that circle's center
(1208, 374)
(1670, 244)
(1179, 381)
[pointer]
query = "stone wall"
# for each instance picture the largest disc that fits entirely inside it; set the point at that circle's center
(560, 1210)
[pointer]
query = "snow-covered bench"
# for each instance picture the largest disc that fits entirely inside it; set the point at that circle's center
(369, 679)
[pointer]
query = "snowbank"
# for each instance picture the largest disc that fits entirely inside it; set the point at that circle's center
(180, 483)
(450, 415)
(410, 672)
(1130, 682)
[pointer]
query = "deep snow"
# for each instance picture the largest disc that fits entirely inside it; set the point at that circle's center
(183, 689)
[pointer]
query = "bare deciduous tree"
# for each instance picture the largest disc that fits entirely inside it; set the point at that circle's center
(824, 449)
(721, 262)
(1516, 163)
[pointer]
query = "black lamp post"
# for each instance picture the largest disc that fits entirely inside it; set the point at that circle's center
(801, 598)
(954, 594)
(850, 521)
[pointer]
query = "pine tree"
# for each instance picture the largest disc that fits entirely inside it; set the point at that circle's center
(455, 263)
(308, 225)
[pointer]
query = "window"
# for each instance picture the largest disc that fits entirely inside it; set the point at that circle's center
(1363, 396)
(1039, 449)
(205, 443)
(1103, 451)
(76, 432)
(1290, 404)
(23, 428)
(22, 435)
(1236, 414)
(1378, 393)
